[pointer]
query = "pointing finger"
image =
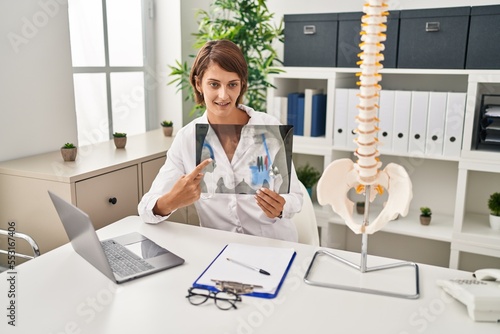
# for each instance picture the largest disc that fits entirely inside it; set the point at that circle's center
(198, 169)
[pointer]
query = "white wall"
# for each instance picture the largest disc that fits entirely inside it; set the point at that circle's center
(37, 108)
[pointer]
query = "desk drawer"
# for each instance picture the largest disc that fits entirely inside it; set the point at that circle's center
(96, 196)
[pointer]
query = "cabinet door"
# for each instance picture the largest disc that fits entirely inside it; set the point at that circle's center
(149, 171)
(109, 197)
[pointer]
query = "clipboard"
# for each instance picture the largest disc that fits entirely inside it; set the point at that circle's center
(276, 261)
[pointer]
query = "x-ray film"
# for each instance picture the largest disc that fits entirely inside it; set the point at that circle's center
(262, 159)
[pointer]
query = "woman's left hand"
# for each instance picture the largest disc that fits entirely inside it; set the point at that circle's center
(270, 202)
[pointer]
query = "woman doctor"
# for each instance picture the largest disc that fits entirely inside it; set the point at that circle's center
(219, 77)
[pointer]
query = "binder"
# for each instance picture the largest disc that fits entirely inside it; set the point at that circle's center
(280, 109)
(340, 117)
(352, 112)
(276, 261)
(401, 125)
(418, 122)
(386, 116)
(292, 114)
(435, 123)
(455, 111)
(318, 119)
(308, 101)
(299, 129)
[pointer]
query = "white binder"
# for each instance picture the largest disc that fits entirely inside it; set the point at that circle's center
(340, 118)
(386, 115)
(401, 125)
(435, 123)
(418, 122)
(455, 111)
(308, 97)
(351, 118)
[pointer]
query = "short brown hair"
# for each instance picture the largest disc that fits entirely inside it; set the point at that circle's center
(228, 56)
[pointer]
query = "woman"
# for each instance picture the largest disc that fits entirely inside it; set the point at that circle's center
(219, 78)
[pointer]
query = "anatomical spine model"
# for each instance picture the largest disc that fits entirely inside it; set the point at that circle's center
(365, 175)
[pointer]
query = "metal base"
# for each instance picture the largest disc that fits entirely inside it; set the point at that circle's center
(416, 295)
(363, 267)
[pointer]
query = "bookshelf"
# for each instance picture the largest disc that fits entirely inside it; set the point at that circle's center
(455, 187)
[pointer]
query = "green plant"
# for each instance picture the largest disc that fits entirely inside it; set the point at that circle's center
(248, 24)
(494, 204)
(167, 124)
(308, 175)
(119, 134)
(425, 211)
(69, 145)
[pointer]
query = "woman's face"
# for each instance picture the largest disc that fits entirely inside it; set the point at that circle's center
(220, 92)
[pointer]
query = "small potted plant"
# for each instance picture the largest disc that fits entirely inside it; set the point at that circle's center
(120, 139)
(494, 206)
(168, 128)
(68, 152)
(309, 176)
(425, 215)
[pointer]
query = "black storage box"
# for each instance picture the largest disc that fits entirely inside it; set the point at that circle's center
(483, 51)
(349, 39)
(433, 38)
(310, 40)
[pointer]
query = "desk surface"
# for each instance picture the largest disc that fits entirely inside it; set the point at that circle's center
(60, 292)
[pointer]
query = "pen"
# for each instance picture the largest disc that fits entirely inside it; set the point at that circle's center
(262, 271)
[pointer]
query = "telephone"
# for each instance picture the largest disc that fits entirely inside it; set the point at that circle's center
(480, 294)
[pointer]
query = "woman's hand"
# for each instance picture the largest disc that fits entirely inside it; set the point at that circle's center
(185, 191)
(270, 202)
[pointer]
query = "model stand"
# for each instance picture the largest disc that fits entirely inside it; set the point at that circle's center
(362, 267)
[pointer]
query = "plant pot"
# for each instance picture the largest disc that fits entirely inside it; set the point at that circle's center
(425, 220)
(69, 154)
(168, 130)
(120, 142)
(495, 222)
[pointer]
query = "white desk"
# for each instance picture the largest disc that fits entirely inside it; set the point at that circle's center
(60, 292)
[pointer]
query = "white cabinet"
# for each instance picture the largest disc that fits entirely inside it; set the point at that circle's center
(105, 182)
(454, 181)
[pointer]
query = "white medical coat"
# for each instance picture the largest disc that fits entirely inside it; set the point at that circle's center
(230, 212)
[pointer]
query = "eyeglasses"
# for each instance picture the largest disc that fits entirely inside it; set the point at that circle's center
(224, 300)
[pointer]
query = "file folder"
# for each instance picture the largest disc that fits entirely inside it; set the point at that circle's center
(276, 261)
(352, 112)
(308, 102)
(386, 116)
(435, 123)
(293, 106)
(401, 125)
(455, 111)
(418, 122)
(340, 117)
(318, 119)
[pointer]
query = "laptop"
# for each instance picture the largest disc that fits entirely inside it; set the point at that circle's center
(121, 258)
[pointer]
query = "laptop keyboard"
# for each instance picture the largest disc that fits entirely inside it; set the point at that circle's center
(122, 262)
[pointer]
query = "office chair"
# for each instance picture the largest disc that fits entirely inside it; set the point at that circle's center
(25, 237)
(305, 221)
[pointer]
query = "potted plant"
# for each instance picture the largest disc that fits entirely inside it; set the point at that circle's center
(425, 215)
(250, 25)
(494, 206)
(68, 152)
(168, 128)
(309, 176)
(120, 139)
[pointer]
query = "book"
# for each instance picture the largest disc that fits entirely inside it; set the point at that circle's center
(299, 128)
(308, 102)
(292, 107)
(276, 261)
(318, 116)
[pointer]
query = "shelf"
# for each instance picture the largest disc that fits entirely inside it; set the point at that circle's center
(476, 231)
(440, 229)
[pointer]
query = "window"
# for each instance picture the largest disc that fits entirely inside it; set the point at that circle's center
(111, 51)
